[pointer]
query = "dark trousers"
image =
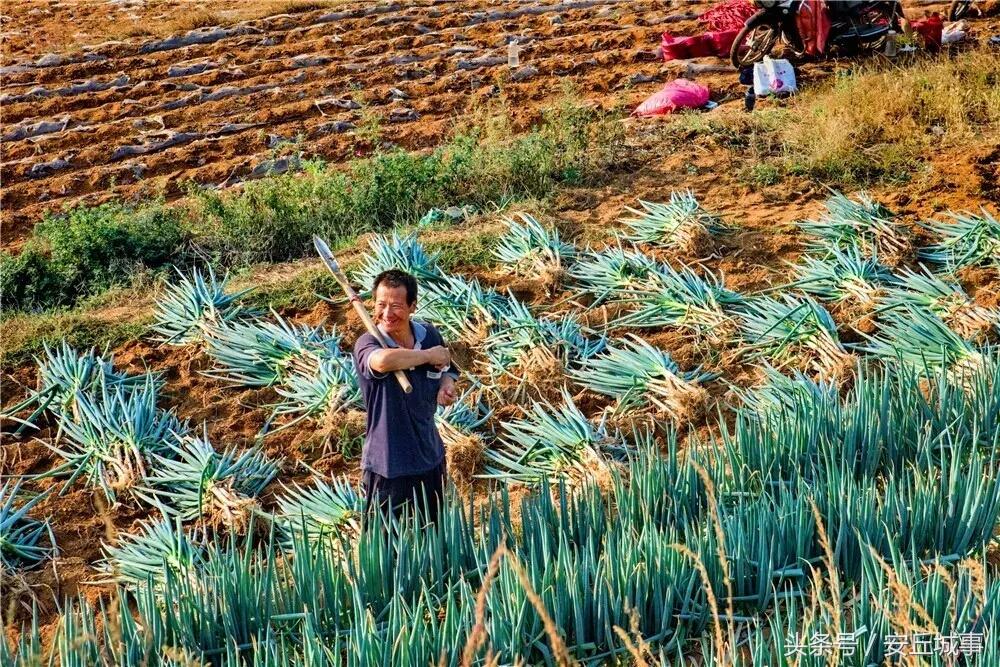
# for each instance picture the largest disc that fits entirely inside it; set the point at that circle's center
(392, 495)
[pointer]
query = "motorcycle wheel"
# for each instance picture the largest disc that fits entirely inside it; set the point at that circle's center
(753, 42)
(959, 9)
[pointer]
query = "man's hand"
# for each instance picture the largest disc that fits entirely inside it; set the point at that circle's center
(438, 356)
(447, 394)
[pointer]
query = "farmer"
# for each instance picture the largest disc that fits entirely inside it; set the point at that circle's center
(403, 455)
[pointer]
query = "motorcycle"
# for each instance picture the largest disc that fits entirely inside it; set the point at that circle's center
(854, 24)
(959, 8)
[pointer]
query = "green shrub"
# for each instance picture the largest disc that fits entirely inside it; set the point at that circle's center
(29, 282)
(96, 247)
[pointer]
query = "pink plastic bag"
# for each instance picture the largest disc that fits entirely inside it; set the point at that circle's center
(678, 94)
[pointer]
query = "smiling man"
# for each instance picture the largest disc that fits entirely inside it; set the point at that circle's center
(403, 456)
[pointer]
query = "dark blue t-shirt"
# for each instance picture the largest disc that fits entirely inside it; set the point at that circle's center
(401, 437)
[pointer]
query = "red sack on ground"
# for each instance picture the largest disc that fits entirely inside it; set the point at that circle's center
(930, 30)
(674, 48)
(722, 41)
(678, 94)
(813, 22)
(681, 48)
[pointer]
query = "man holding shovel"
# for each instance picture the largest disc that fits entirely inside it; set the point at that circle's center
(403, 455)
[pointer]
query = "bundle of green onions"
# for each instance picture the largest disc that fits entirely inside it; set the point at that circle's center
(397, 252)
(192, 481)
(682, 299)
(681, 224)
(261, 354)
(64, 374)
(968, 240)
(529, 248)
(796, 332)
(865, 224)
(946, 300)
(112, 435)
(458, 424)
(552, 443)
(193, 303)
(534, 352)
(319, 511)
(638, 374)
(144, 558)
(21, 535)
(844, 276)
(317, 387)
(463, 309)
(612, 273)
(918, 337)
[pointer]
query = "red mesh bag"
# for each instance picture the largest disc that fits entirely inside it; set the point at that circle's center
(728, 15)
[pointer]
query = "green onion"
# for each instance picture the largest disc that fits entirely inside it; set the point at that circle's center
(553, 442)
(794, 331)
(918, 337)
(162, 549)
(681, 223)
(192, 481)
(529, 248)
(682, 299)
(947, 300)
(319, 511)
(864, 224)
(64, 373)
(397, 252)
(638, 374)
(261, 354)
(968, 240)
(111, 436)
(613, 273)
(193, 303)
(20, 535)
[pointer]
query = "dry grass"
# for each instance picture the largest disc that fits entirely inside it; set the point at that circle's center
(876, 123)
(879, 119)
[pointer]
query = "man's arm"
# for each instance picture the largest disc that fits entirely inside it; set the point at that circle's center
(394, 359)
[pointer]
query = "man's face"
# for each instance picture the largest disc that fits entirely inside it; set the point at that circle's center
(391, 309)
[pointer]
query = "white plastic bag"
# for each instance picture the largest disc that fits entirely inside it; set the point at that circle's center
(773, 76)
